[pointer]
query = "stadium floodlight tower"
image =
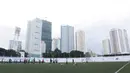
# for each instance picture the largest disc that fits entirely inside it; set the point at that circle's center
(16, 38)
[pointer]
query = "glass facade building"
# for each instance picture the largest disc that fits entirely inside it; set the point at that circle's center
(46, 34)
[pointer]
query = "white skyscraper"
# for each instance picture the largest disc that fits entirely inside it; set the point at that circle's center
(126, 42)
(119, 41)
(106, 46)
(80, 41)
(67, 38)
(38, 39)
(33, 41)
(55, 43)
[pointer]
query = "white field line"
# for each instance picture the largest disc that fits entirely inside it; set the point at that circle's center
(122, 67)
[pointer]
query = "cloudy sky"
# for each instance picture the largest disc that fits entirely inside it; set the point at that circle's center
(95, 17)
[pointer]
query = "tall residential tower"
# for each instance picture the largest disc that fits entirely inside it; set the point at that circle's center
(119, 41)
(80, 41)
(67, 38)
(106, 46)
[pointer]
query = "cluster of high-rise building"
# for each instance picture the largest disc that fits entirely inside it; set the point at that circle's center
(39, 38)
(118, 42)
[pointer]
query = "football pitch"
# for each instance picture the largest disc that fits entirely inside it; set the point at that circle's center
(110, 67)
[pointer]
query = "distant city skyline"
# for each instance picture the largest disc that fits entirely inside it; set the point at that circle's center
(103, 33)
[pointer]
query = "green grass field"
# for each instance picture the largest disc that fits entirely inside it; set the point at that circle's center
(66, 68)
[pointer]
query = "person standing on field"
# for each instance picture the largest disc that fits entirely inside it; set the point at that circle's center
(50, 60)
(42, 60)
(73, 61)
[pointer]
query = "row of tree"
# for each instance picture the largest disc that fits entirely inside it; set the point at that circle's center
(58, 54)
(11, 53)
(54, 54)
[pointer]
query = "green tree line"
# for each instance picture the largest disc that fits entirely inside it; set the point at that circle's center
(58, 54)
(11, 53)
(53, 54)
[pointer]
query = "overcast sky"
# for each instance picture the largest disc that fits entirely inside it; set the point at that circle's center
(95, 17)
